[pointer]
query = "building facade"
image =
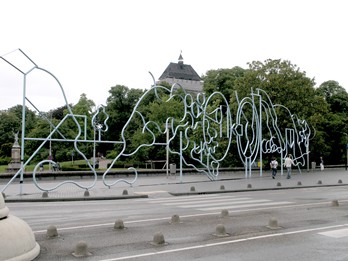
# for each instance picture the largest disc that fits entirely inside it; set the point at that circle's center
(184, 75)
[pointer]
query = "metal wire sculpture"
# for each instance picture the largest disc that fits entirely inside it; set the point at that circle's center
(204, 130)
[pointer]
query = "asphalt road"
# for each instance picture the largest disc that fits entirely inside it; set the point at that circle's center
(303, 226)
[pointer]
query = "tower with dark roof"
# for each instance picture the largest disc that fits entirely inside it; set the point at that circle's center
(184, 75)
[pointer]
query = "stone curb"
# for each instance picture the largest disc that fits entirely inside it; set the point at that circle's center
(90, 198)
(9, 200)
(250, 189)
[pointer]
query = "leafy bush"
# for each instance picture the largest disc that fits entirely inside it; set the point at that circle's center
(5, 160)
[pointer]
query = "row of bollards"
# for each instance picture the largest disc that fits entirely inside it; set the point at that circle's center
(278, 184)
(85, 194)
(192, 189)
(81, 248)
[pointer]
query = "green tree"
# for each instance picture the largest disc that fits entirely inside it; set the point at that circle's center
(333, 128)
(222, 80)
(119, 107)
(61, 150)
(287, 85)
(284, 83)
(157, 111)
(59, 112)
(84, 106)
(335, 95)
(10, 123)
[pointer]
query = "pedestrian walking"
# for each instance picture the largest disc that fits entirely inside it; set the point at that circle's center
(41, 167)
(274, 165)
(321, 164)
(288, 162)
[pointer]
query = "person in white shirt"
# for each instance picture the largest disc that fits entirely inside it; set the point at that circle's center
(274, 165)
(288, 162)
(321, 164)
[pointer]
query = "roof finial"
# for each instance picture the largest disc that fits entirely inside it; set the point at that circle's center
(181, 60)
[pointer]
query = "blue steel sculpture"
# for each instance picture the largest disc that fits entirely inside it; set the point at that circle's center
(44, 141)
(204, 130)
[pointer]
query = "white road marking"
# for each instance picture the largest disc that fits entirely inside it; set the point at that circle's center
(185, 198)
(246, 205)
(150, 192)
(339, 233)
(235, 203)
(204, 203)
(222, 243)
(191, 215)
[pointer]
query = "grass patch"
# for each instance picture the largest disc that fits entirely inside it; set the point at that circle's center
(67, 165)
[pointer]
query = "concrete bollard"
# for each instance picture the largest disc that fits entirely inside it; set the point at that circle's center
(319, 182)
(17, 240)
(51, 232)
(222, 187)
(81, 250)
(299, 183)
(119, 224)
(334, 203)
(158, 239)
(86, 194)
(175, 219)
(273, 223)
(279, 184)
(220, 231)
(249, 186)
(192, 189)
(224, 213)
(339, 181)
(45, 194)
(125, 192)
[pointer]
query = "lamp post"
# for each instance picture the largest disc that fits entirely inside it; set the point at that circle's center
(347, 155)
(72, 157)
(167, 149)
(346, 149)
(97, 127)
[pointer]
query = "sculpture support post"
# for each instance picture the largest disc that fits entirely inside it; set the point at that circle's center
(23, 135)
(167, 149)
(180, 156)
(307, 151)
(260, 133)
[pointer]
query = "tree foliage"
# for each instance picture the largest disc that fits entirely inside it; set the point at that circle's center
(335, 95)
(287, 85)
(325, 108)
(222, 80)
(333, 128)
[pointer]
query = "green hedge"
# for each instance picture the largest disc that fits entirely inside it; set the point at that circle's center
(5, 160)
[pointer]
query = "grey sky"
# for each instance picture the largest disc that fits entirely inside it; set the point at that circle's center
(92, 45)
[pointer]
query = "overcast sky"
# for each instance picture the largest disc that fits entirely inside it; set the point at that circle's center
(92, 45)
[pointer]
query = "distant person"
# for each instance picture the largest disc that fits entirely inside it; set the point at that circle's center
(321, 164)
(288, 162)
(274, 165)
(56, 166)
(41, 167)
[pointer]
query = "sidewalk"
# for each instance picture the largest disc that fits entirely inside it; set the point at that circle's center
(161, 185)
